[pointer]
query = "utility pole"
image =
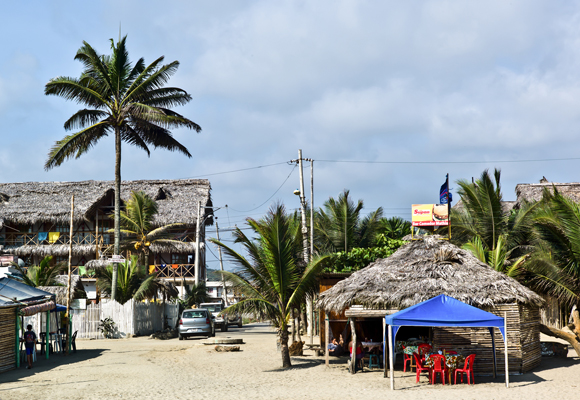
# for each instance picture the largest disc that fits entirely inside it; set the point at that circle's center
(197, 269)
(309, 305)
(217, 232)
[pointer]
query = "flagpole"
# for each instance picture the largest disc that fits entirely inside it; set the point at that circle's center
(448, 208)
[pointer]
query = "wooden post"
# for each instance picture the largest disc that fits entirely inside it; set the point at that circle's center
(507, 372)
(353, 348)
(385, 347)
(391, 363)
(47, 336)
(97, 235)
(72, 212)
(326, 338)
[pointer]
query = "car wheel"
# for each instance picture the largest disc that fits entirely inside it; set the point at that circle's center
(223, 328)
(179, 336)
(226, 328)
(240, 324)
(212, 332)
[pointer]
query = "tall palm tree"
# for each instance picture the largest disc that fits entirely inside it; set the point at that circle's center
(555, 268)
(338, 225)
(498, 237)
(272, 279)
(129, 101)
(137, 226)
(134, 281)
(43, 274)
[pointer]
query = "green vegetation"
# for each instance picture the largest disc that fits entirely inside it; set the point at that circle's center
(359, 258)
(43, 274)
(272, 278)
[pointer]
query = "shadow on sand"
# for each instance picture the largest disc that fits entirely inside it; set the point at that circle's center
(42, 364)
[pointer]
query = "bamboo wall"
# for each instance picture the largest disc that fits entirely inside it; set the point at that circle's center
(523, 333)
(7, 338)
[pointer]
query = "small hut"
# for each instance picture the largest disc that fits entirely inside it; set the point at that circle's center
(428, 267)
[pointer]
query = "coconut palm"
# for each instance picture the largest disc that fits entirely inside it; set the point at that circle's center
(129, 101)
(394, 227)
(555, 268)
(272, 279)
(137, 226)
(133, 281)
(43, 274)
(197, 294)
(338, 225)
(498, 237)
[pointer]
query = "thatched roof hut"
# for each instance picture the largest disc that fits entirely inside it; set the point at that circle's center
(77, 289)
(423, 269)
(32, 202)
(428, 267)
(533, 191)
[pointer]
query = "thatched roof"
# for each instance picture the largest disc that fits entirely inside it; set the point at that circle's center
(77, 288)
(31, 202)
(50, 250)
(506, 206)
(533, 191)
(423, 269)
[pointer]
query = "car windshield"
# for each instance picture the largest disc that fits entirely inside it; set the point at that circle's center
(213, 308)
(194, 314)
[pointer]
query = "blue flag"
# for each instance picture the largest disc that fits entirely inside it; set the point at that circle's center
(443, 193)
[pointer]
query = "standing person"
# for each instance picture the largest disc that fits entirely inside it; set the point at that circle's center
(29, 344)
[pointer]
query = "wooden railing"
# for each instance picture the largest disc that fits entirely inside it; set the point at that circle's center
(171, 271)
(32, 239)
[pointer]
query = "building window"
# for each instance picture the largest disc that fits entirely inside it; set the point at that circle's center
(178, 258)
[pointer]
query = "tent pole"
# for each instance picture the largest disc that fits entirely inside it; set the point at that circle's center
(353, 348)
(384, 349)
(391, 350)
(326, 338)
(494, 357)
(507, 373)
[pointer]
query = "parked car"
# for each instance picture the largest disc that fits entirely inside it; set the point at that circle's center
(196, 321)
(223, 320)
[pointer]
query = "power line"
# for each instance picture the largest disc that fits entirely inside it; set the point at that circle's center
(268, 199)
(235, 170)
(449, 162)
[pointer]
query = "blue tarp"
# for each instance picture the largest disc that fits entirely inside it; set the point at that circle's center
(444, 311)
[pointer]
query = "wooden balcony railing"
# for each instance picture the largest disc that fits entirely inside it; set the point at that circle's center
(171, 271)
(32, 239)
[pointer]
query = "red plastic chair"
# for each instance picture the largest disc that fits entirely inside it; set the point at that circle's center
(467, 369)
(452, 352)
(407, 358)
(420, 367)
(439, 367)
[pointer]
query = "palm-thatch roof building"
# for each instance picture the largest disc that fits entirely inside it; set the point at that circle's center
(35, 218)
(428, 267)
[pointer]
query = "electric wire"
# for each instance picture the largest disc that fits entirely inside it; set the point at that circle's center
(268, 199)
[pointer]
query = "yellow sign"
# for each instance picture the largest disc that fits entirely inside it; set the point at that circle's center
(429, 215)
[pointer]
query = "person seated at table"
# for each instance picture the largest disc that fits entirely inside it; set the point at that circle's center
(359, 354)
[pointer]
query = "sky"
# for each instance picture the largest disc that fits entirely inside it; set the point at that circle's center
(386, 97)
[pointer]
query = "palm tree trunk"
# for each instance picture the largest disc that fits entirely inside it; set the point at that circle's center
(573, 338)
(117, 207)
(286, 363)
(293, 326)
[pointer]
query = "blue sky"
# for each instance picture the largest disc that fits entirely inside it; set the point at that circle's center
(416, 83)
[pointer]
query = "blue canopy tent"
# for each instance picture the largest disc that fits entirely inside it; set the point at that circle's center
(444, 311)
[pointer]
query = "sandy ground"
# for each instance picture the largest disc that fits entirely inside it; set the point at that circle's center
(141, 368)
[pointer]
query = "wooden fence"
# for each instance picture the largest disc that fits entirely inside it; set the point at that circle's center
(131, 318)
